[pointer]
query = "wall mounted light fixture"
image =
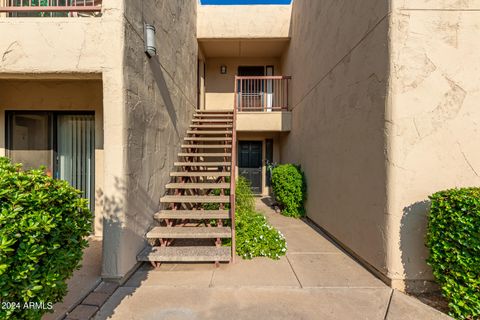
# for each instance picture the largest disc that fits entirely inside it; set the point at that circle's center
(149, 33)
(223, 69)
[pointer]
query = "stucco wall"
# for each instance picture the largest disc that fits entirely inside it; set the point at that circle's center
(220, 88)
(275, 121)
(146, 103)
(433, 123)
(338, 59)
(160, 99)
(255, 21)
(388, 101)
(61, 45)
(65, 49)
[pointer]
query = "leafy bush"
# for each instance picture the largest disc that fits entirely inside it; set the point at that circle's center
(255, 237)
(244, 201)
(288, 183)
(43, 223)
(212, 206)
(453, 239)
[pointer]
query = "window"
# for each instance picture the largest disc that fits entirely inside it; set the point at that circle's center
(63, 142)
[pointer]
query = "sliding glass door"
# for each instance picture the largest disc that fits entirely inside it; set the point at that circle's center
(62, 142)
(75, 141)
(30, 139)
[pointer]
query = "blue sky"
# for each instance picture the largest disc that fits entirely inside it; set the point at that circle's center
(227, 2)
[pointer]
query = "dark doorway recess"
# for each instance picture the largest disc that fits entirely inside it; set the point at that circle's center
(250, 163)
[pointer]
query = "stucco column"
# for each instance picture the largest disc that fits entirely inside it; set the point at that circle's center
(113, 197)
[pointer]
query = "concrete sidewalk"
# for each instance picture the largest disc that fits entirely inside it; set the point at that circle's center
(316, 280)
(82, 282)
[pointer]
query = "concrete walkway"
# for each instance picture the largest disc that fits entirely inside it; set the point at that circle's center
(82, 282)
(316, 280)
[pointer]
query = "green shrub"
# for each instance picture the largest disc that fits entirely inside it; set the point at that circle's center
(254, 236)
(453, 239)
(43, 224)
(212, 206)
(244, 201)
(288, 183)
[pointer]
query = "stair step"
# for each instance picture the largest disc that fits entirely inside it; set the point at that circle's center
(211, 126)
(208, 132)
(195, 199)
(207, 146)
(208, 139)
(212, 120)
(192, 214)
(189, 232)
(185, 254)
(227, 111)
(199, 174)
(201, 164)
(204, 154)
(206, 185)
(214, 115)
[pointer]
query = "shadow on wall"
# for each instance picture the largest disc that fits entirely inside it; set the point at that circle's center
(414, 252)
(157, 72)
(111, 206)
(132, 228)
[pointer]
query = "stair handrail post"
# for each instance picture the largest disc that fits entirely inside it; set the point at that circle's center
(233, 171)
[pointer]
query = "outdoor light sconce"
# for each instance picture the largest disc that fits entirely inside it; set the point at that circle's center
(150, 47)
(223, 69)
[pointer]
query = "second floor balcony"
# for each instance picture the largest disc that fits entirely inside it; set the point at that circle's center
(50, 8)
(262, 103)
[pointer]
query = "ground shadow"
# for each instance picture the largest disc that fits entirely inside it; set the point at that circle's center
(269, 201)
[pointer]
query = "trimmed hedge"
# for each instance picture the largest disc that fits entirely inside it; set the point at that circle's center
(289, 186)
(43, 225)
(453, 239)
(254, 236)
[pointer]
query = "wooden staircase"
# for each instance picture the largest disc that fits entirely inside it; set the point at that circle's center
(199, 204)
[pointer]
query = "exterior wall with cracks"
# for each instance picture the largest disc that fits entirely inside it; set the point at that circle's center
(338, 58)
(68, 54)
(385, 91)
(160, 100)
(433, 123)
(388, 100)
(147, 103)
(61, 46)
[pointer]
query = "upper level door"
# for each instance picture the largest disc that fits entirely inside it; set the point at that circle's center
(251, 91)
(251, 71)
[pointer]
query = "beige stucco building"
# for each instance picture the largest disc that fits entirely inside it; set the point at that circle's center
(376, 100)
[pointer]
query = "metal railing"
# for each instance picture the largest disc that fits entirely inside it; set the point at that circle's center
(267, 93)
(50, 8)
(233, 169)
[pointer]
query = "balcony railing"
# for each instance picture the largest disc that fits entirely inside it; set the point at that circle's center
(268, 93)
(50, 8)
